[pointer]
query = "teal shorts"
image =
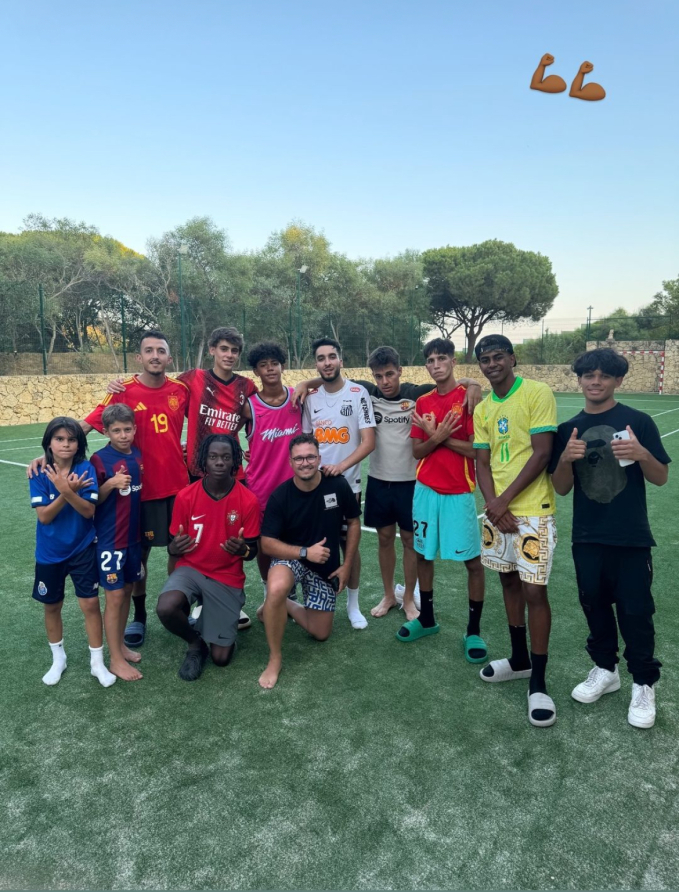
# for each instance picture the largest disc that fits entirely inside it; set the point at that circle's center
(445, 523)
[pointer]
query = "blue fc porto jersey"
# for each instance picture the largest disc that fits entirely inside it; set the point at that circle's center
(69, 532)
(117, 518)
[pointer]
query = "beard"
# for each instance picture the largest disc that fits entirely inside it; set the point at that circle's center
(333, 376)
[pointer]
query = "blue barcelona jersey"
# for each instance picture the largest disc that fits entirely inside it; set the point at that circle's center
(118, 517)
(69, 533)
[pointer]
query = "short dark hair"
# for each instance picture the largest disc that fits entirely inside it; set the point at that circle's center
(116, 412)
(326, 342)
(226, 333)
(439, 345)
(382, 356)
(266, 350)
(236, 451)
(153, 333)
(71, 427)
(603, 358)
(301, 439)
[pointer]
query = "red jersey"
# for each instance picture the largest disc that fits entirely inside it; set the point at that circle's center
(211, 522)
(444, 471)
(159, 416)
(215, 407)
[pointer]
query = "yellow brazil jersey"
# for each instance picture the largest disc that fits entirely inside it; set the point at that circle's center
(504, 425)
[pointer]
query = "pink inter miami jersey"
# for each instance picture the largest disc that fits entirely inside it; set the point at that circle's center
(269, 436)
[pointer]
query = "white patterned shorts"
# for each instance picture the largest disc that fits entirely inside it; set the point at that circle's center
(530, 551)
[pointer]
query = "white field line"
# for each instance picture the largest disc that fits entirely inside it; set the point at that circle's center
(26, 448)
(660, 400)
(18, 464)
(670, 434)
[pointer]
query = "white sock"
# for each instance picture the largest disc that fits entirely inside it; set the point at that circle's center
(98, 669)
(264, 588)
(356, 618)
(58, 663)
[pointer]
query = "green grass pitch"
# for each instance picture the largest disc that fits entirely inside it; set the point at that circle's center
(372, 765)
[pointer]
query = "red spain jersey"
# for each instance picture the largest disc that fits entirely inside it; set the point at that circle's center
(215, 407)
(159, 416)
(443, 470)
(211, 522)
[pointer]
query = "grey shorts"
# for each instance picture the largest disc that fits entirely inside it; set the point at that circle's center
(218, 620)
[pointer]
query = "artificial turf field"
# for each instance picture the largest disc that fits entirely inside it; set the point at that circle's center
(371, 765)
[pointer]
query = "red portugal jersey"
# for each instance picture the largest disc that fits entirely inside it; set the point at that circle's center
(159, 416)
(444, 471)
(211, 522)
(215, 407)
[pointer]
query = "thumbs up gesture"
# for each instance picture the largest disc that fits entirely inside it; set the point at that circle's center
(318, 553)
(575, 449)
(236, 544)
(182, 543)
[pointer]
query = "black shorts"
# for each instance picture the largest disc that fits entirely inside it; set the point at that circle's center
(343, 528)
(613, 574)
(50, 579)
(388, 502)
(156, 516)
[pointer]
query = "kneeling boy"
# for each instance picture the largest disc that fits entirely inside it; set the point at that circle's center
(215, 525)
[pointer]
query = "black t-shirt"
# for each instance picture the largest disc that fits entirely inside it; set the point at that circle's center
(609, 502)
(304, 518)
(407, 391)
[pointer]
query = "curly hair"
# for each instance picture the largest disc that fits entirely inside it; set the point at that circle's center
(266, 350)
(236, 451)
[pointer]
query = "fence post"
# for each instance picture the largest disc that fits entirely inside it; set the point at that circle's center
(41, 295)
(124, 332)
(542, 347)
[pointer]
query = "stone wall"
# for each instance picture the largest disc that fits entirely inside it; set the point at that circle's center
(645, 363)
(34, 398)
(63, 364)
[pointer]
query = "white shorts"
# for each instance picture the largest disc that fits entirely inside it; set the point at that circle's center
(530, 551)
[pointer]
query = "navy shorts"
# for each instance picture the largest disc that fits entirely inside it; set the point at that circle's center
(50, 579)
(389, 502)
(118, 567)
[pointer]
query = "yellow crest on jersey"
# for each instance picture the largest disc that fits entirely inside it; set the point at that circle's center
(173, 402)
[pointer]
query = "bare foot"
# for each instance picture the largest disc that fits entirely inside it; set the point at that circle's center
(384, 606)
(132, 656)
(269, 677)
(125, 671)
(410, 611)
(260, 617)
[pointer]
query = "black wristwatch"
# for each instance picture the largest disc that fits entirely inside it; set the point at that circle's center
(302, 553)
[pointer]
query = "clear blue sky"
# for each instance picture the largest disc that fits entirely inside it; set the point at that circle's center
(387, 125)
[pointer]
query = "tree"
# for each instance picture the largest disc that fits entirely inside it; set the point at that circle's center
(493, 281)
(403, 304)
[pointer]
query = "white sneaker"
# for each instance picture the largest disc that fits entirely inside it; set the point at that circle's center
(642, 708)
(400, 590)
(195, 613)
(598, 682)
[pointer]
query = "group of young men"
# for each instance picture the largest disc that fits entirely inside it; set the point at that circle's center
(296, 508)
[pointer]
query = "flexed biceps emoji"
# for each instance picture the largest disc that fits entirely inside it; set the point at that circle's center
(553, 83)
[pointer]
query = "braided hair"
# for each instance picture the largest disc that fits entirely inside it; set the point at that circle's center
(236, 451)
